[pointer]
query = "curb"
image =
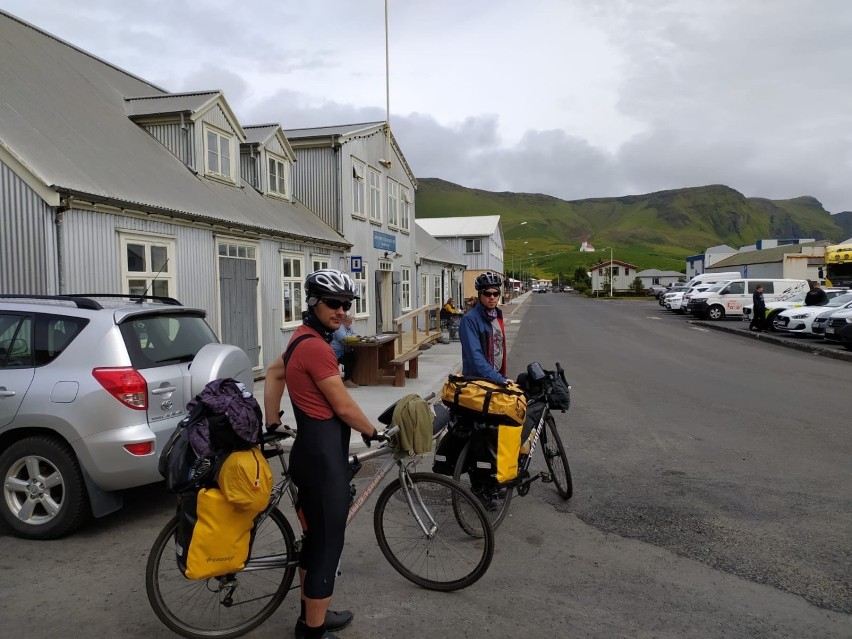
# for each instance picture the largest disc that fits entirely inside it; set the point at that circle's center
(805, 347)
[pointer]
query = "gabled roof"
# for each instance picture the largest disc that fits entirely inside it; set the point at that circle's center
(614, 263)
(764, 256)
(722, 248)
(340, 134)
(431, 250)
(261, 134)
(470, 226)
(63, 123)
(163, 103)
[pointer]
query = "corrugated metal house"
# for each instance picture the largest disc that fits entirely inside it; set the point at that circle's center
(478, 239)
(791, 261)
(109, 184)
(439, 270)
(356, 179)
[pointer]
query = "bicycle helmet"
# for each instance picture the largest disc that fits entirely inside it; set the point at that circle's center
(330, 281)
(488, 280)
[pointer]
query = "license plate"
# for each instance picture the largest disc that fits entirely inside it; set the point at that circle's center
(829, 330)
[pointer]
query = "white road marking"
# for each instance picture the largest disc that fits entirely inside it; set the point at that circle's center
(651, 317)
(514, 321)
(696, 328)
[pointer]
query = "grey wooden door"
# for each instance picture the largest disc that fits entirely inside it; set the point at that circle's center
(238, 300)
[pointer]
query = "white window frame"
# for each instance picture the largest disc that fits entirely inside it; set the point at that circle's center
(290, 283)
(393, 203)
(361, 306)
(405, 289)
(405, 210)
(221, 136)
(319, 261)
(149, 241)
(282, 165)
(375, 197)
(359, 189)
(473, 245)
(424, 288)
(437, 293)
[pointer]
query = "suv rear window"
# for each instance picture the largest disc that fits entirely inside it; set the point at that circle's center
(164, 339)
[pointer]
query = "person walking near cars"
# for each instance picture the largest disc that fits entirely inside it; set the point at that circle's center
(325, 413)
(483, 335)
(816, 296)
(758, 310)
(343, 351)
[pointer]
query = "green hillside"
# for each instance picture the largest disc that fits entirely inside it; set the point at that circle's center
(655, 230)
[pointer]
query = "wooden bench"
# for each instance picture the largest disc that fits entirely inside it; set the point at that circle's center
(399, 371)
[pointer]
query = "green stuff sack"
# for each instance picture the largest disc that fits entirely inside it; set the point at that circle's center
(485, 400)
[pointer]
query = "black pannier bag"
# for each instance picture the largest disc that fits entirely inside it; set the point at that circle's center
(449, 448)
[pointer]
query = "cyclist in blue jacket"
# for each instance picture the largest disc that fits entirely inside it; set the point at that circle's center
(483, 335)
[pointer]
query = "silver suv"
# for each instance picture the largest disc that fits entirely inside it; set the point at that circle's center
(91, 387)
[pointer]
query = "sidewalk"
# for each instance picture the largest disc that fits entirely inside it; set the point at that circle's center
(435, 364)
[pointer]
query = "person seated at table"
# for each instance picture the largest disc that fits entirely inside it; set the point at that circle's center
(344, 353)
(449, 308)
(469, 303)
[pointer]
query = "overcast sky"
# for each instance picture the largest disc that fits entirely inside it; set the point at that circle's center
(572, 98)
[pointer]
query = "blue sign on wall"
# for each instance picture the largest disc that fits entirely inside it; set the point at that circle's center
(356, 265)
(384, 241)
(745, 270)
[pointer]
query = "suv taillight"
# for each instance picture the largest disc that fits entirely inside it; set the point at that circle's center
(125, 384)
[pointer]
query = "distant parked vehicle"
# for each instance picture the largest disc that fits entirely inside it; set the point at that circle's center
(775, 307)
(800, 320)
(838, 328)
(655, 290)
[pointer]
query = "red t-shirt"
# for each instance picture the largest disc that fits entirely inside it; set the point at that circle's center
(310, 362)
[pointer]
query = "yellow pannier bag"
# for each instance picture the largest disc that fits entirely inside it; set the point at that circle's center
(215, 539)
(486, 400)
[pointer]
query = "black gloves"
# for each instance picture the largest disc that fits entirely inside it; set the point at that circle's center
(375, 437)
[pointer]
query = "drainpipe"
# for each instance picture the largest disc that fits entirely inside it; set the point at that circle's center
(60, 238)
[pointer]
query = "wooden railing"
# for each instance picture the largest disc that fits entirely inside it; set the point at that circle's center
(417, 327)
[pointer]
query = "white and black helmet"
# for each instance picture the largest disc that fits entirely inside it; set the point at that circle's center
(488, 280)
(330, 281)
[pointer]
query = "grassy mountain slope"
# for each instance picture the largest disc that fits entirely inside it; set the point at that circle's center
(654, 230)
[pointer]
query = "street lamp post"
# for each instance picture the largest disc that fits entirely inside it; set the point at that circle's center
(505, 232)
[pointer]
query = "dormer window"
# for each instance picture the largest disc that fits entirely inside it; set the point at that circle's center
(279, 176)
(218, 153)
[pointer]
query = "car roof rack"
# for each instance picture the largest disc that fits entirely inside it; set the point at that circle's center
(80, 300)
(136, 298)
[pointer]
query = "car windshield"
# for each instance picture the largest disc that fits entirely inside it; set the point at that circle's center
(798, 298)
(716, 287)
(840, 300)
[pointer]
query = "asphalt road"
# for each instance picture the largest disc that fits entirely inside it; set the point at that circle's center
(712, 499)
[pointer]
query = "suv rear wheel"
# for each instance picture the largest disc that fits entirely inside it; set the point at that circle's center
(44, 496)
(715, 312)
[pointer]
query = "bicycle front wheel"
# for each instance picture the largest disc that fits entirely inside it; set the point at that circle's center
(230, 605)
(495, 499)
(556, 459)
(457, 545)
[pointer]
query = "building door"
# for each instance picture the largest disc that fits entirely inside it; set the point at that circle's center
(238, 299)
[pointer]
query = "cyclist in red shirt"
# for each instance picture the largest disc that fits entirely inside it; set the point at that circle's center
(325, 415)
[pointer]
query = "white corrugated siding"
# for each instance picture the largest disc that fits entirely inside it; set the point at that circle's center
(180, 142)
(27, 239)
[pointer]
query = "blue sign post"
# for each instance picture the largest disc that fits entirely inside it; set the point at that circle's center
(356, 264)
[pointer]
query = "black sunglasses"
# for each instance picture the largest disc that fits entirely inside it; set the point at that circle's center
(336, 304)
(490, 293)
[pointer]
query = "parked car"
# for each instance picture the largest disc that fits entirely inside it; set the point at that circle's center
(669, 293)
(655, 290)
(729, 300)
(90, 390)
(838, 328)
(800, 320)
(773, 308)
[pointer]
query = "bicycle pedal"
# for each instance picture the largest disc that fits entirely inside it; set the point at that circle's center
(546, 478)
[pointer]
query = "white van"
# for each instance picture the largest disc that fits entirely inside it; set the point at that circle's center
(729, 299)
(713, 278)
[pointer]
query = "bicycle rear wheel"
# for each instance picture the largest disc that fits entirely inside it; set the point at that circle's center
(460, 544)
(495, 499)
(556, 459)
(227, 606)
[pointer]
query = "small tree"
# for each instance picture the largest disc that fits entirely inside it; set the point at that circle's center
(636, 286)
(581, 282)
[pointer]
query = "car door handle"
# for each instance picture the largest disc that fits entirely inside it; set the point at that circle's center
(163, 390)
(6, 393)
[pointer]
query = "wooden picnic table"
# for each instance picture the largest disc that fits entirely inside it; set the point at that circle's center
(372, 359)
